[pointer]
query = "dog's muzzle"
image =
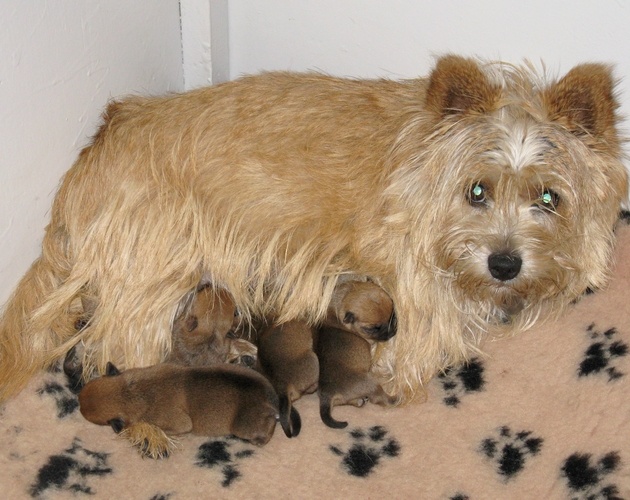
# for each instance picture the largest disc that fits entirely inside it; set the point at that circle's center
(504, 266)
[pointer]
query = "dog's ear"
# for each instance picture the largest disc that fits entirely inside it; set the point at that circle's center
(191, 323)
(349, 318)
(584, 101)
(118, 424)
(111, 370)
(458, 85)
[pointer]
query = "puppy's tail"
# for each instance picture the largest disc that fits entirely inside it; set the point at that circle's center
(290, 419)
(325, 408)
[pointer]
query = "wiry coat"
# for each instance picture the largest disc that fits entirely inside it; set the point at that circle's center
(273, 185)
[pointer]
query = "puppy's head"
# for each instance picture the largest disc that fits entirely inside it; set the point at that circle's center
(101, 401)
(365, 309)
(210, 321)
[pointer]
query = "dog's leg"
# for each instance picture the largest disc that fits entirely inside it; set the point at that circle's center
(149, 439)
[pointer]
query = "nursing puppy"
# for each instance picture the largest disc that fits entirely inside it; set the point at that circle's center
(345, 360)
(486, 197)
(286, 357)
(359, 314)
(362, 307)
(211, 401)
(204, 333)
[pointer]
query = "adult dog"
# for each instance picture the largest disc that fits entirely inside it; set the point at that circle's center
(481, 199)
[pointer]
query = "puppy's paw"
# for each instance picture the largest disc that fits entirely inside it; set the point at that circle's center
(150, 440)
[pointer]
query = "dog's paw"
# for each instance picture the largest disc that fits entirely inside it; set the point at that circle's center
(150, 440)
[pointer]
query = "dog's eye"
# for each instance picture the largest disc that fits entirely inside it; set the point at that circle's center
(477, 194)
(549, 200)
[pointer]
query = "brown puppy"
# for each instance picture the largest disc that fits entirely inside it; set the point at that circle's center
(209, 401)
(286, 357)
(204, 332)
(345, 361)
(364, 308)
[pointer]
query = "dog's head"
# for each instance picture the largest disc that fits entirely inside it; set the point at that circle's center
(365, 309)
(519, 183)
(101, 400)
(210, 321)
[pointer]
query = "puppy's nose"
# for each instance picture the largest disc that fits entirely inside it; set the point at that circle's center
(504, 266)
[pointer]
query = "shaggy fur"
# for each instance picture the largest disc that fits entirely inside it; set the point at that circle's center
(274, 185)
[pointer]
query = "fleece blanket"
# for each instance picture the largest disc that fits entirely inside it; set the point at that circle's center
(544, 415)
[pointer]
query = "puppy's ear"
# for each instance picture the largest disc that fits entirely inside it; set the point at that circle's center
(118, 424)
(191, 323)
(349, 318)
(584, 100)
(111, 370)
(458, 85)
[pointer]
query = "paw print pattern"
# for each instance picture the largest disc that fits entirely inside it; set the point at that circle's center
(70, 471)
(466, 379)
(510, 450)
(367, 450)
(585, 478)
(217, 454)
(66, 401)
(603, 353)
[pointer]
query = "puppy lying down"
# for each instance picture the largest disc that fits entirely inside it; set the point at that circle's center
(210, 401)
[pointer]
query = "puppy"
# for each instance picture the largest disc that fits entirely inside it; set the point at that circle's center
(345, 361)
(364, 308)
(286, 357)
(204, 333)
(210, 401)
(359, 314)
(485, 202)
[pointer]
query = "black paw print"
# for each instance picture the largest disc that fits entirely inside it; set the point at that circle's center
(217, 453)
(602, 353)
(510, 450)
(70, 471)
(65, 399)
(456, 383)
(367, 449)
(585, 479)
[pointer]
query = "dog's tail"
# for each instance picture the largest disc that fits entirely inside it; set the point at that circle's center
(325, 408)
(290, 419)
(39, 316)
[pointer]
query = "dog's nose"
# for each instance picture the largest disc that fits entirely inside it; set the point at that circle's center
(504, 266)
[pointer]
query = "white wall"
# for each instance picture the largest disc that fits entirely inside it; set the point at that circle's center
(59, 64)
(398, 38)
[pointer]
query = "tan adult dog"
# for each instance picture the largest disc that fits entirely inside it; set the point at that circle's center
(204, 333)
(211, 401)
(481, 198)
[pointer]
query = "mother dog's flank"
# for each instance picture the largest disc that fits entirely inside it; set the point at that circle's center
(481, 198)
